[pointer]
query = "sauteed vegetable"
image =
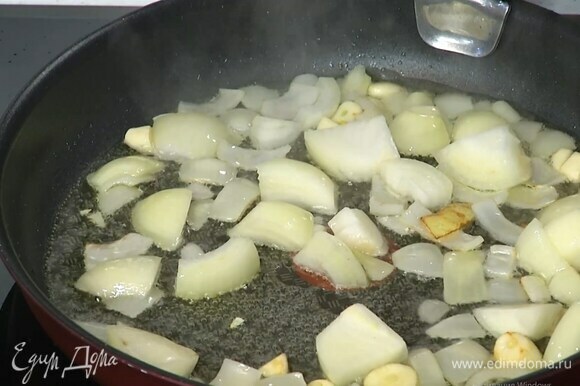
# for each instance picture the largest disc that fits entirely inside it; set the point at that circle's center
(340, 188)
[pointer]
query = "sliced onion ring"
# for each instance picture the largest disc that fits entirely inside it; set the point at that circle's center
(493, 221)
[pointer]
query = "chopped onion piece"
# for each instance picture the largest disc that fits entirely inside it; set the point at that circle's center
(153, 349)
(453, 105)
(459, 326)
(544, 174)
(326, 104)
(490, 376)
(476, 121)
(382, 202)
(506, 291)
(491, 160)
(132, 244)
(234, 200)
(270, 133)
(352, 152)
(493, 221)
(131, 171)
(200, 191)
(326, 255)
(563, 233)
(254, 96)
(460, 241)
(355, 84)
(548, 141)
(464, 351)
(277, 224)
(504, 110)
(565, 286)
(132, 306)
(234, 373)
(464, 193)
(500, 262)
(559, 208)
(420, 130)
(355, 343)
(207, 171)
(121, 277)
(137, 139)
(198, 214)
(98, 330)
(531, 197)
(421, 258)
(222, 270)
(161, 217)
(298, 183)
(428, 370)
(419, 98)
(535, 288)
(358, 232)
(535, 321)
(116, 197)
(417, 181)
(191, 251)
(526, 131)
(565, 341)
(225, 100)
(394, 104)
(395, 224)
(239, 121)
(536, 253)
(287, 106)
(463, 279)
(432, 310)
(249, 159)
(292, 379)
(449, 219)
(412, 217)
(375, 268)
(187, 136)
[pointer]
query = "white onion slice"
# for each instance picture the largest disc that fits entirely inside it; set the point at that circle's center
(381, 90)
(464, 193)
(459, 326)
(544, 174)
(412, 217)
(420, 130)
(248, 159)
(565, 286)
(98, 330)
(494, 375)
(269, 133)
(234, 373)
(395, 224)
(464, 351)
(354, 151)
(432, 310)
(548, 141)
(131, 171)
(460, 241)
(191, 251)
(254, 96)
(507, 112)
(491, 160)
(531, 197)
(225, 100)
(563, 232)
(355, 84)
(116, 197)
(463, 279)
(375, 268)
(506, 291)
(358, 232)
(500, 261)
(535, 288)
(418, 181)
(453, 105)
(198, 214)
(207, 171)
(428, 370)
(493, 221)
(326, 104)
(421, 258)
(200, 191)
(382, 202)
(287, 106)
(132, 244)
(559, 208)
(292, 379)
(239, 121)
(474, 122)
(132, 306)
(419, 98)
(526, 131)
(565, 340)
(234, 200)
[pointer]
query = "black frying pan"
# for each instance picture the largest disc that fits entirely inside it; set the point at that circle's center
(71, 117)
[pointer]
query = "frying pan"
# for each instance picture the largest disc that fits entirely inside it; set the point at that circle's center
(74, 113)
